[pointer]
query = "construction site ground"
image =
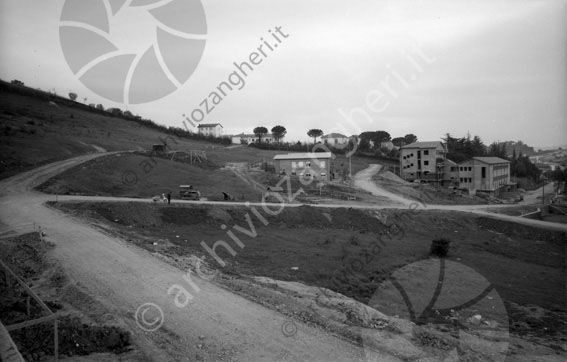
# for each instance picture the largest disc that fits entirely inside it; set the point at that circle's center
(126, 252)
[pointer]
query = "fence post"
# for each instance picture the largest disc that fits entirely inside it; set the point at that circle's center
(56, 340)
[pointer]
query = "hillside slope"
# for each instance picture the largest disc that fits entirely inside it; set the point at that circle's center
(36, 131)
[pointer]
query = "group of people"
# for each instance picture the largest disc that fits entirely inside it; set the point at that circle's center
(167, 197)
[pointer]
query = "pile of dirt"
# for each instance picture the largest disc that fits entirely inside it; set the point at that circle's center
(523, 231)
(185, 215)
(127, 214)
(390, 176)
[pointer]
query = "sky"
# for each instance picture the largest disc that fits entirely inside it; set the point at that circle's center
(491, 68)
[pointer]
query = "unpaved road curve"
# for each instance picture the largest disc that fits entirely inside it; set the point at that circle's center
(124, 277)
(363, 180)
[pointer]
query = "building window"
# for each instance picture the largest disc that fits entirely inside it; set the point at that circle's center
(484, 172)
(470, 180)
(470, 168)
(293, 164)
(301, 164)
(425, 152)
(425, 163)
(308, 164)
(322, 164)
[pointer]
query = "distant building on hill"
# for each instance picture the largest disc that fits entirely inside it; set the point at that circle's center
(334, 139)
(316, 165)
(245, 138)
(210, 129)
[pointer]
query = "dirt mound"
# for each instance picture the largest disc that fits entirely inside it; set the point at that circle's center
(185, 215)
(220, 215)
(390, 176)
(523, 231)
(356, 220)
(127, 213)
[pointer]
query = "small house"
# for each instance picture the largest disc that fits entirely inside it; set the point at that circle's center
(334, 139)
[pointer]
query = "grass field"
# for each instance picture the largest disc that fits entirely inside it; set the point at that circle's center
(336, 249)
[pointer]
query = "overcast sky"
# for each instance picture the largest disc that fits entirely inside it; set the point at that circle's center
(493, 68)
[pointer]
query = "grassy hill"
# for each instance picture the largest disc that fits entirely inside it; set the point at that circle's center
(35, 130)
(138, 175)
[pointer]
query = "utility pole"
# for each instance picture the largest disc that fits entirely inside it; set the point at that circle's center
(543, 192)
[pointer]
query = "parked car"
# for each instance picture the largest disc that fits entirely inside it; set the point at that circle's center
(186, 192)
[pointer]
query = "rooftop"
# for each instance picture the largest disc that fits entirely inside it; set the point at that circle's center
(306, 155)
(208, 125)
(491, 160)
(334, 135)
(432, 144)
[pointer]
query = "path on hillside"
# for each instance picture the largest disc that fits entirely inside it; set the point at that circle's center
(124, 277)
(363, 180)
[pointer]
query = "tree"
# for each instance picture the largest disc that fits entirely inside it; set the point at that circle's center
(381, 136)
(260, 131)
(72, 96)
(399, 141)
(279, 132)
(410, 138)
(100, 107)
(315, 132)
(115, 111)
(17, 82)
(477, 147)
(497, 149)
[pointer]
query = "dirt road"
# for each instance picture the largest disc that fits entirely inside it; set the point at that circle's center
(363, 179)
(215, 325)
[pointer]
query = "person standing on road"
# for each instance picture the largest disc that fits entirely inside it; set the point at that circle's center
(169, 197)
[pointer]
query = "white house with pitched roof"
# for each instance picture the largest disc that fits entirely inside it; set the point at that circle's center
(210, 129)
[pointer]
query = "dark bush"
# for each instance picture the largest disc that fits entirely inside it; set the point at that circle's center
(440, 247)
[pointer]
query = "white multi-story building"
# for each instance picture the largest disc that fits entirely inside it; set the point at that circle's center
(422, 160)
(210, 129)
(484, 174)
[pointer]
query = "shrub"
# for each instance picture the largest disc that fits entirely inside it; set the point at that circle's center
(440, 247)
